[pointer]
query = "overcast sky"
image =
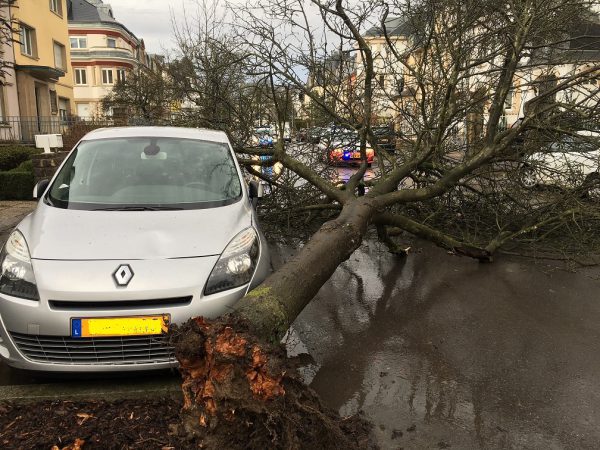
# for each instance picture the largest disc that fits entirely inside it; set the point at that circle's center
(149, 20)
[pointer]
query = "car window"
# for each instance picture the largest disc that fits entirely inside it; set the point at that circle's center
(165, 172)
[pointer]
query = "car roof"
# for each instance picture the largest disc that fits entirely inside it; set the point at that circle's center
(176, 132)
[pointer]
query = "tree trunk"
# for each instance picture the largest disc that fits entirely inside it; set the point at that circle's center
(239, 389)
(272, 307)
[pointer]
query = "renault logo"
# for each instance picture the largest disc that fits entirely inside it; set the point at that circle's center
(123, 275)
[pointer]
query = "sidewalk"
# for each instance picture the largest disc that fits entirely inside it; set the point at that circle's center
(11, 213)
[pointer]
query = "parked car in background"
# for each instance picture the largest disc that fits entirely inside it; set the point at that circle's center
(569, 162)
(315, 135)
(338, 138)
(141, 227)
(302, 135)
(385, 137)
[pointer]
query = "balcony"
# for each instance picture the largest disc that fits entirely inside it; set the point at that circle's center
(45, 73)
(101, 53)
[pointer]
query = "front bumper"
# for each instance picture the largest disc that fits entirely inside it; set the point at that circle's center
(35, 335)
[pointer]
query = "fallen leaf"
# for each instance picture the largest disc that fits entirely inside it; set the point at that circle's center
(77, 445)
(83, 417)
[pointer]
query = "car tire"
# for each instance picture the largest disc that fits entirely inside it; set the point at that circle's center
(527, 177)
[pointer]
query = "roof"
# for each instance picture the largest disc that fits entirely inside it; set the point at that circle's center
(394, 26)
(92, 11)
(176, 132)
(582, 44)
(84, 11)
(585, 37)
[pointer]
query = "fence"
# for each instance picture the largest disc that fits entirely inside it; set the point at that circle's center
(24, 129)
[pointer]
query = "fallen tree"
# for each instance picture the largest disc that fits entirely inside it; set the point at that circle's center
(452, 67)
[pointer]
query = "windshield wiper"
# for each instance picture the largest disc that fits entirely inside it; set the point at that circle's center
(140, 208)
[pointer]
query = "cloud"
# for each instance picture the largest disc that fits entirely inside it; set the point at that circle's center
(150, 20)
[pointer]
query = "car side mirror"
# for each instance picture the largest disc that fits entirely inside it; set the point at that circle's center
(40, 188)
(255, 192)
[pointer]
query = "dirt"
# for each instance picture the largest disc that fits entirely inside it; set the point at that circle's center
(124, 424)
(240, 392)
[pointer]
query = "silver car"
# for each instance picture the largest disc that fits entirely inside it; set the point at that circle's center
(140, 227)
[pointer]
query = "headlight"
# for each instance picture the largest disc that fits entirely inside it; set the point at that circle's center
(236, 264)
(16, 271)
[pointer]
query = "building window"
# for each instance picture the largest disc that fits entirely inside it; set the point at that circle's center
(120, 75)
(78, 42)
(53, 102)
(508, 103)
(2, 106)
(28, 41)
(56, 6)
(63, 109)
(60, 56)
(80, 76)
(83, 110)
(110, 42)
(382, 81)
(107, 76)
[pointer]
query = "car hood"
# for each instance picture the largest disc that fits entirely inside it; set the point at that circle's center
(62, 234)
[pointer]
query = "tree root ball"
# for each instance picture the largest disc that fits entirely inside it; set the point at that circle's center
(241, 392)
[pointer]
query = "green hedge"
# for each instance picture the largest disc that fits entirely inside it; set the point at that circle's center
(16, 185)
(26, 166)
(12, 156)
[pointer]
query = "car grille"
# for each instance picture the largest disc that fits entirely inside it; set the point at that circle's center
(119, 304)
(114, 350)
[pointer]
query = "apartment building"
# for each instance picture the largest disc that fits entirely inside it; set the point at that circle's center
(103, 50)
(43, 75)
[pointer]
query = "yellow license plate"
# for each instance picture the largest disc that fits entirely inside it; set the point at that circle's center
(120, 326)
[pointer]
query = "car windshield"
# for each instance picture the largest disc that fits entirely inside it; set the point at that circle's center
(146, 173)
(346, 137)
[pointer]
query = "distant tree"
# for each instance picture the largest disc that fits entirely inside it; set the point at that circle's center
(7, 28)
(143, 93)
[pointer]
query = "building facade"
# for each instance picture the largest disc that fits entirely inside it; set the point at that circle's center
(43, 75)
(102, 52)
(9, 98)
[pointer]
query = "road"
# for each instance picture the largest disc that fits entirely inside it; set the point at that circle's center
(440, 351)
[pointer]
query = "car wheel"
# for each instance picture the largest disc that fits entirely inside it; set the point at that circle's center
(527, 177)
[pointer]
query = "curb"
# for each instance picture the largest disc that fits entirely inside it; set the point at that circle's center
(97, 391)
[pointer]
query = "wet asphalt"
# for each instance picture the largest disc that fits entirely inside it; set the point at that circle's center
(439, 351)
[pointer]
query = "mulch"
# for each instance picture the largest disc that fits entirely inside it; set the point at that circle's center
(121, 424)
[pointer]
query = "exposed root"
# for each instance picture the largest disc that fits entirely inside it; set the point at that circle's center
(240, 392)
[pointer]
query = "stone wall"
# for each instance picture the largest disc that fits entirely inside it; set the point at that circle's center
(45, 164)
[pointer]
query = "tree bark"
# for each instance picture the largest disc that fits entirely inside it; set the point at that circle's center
(272, 307)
